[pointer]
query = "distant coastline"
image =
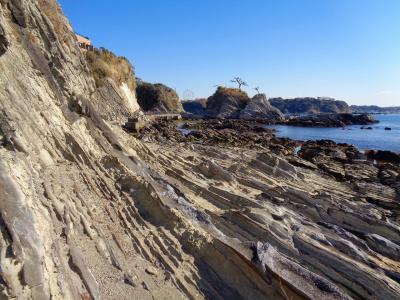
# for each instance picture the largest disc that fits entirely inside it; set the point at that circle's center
(373, 137)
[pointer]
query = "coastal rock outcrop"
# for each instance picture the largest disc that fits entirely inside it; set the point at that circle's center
(226, 103)
(230, 103)
(115, 98)
(310, 105)
(327, 208)
(195, 107)
(259, 108)
(332, 120)
(88, 211)
(158, 98)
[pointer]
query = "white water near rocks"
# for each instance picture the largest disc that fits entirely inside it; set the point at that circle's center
(376, 139)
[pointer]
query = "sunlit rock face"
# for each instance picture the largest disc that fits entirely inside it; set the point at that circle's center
(226, 103)
(310, 105)
(91, 212)
(259, 108)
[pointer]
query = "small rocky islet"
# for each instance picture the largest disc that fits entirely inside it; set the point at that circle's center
(92, 209)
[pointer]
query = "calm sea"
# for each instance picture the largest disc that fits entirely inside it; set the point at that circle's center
(376, 139)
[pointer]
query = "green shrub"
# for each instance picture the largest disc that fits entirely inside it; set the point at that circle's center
(232, 92)
(158, 98)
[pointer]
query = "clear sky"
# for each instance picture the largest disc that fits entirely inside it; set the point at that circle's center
(347, 49)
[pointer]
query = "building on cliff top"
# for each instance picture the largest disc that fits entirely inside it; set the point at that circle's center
(84, 42)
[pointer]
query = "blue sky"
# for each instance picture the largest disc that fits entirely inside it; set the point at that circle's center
(347, 49)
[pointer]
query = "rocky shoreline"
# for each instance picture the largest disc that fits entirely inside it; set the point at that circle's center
(342, 161)
(346, 202)
(214, 209)
(330, 120)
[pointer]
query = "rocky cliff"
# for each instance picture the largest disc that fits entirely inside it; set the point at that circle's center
(226, 103)
(310, 105)
(230, 103)
(90, 212)
(158, 98)
(195, 107)
(115, 85)
(259, 108)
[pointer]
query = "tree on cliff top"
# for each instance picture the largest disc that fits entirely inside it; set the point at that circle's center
(239, 81)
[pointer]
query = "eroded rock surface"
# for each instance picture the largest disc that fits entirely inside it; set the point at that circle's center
(88, 211)
(328, 223)
(259, 108)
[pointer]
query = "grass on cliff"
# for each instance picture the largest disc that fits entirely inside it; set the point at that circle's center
(105, 64)
(232, 92)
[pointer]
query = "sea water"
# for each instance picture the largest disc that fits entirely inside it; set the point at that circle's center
(376, 139)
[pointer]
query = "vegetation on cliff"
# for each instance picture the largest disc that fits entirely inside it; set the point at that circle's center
(227, 102)
(158, 98)
(105, 64)
(53, 12)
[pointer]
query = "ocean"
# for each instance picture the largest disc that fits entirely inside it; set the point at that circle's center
(376, 139)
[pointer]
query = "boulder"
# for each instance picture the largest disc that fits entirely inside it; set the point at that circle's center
(259, 108)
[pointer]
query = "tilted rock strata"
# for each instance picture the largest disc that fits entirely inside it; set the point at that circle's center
(259, 108)
(230, 103)
(344, 229)
(226, 103)
(90, 212)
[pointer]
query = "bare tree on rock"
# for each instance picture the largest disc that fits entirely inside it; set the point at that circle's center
(239, 81)
(257, 89)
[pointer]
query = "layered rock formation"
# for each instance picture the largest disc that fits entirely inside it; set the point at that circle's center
(310, 105)
(230, 103)
(331, 120)
(115, 81)
(90, 212)
(158, 98)
(226, 103)
(259, 108)
(328, 218)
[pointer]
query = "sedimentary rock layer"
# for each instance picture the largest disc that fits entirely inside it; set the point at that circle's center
(88, 211)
